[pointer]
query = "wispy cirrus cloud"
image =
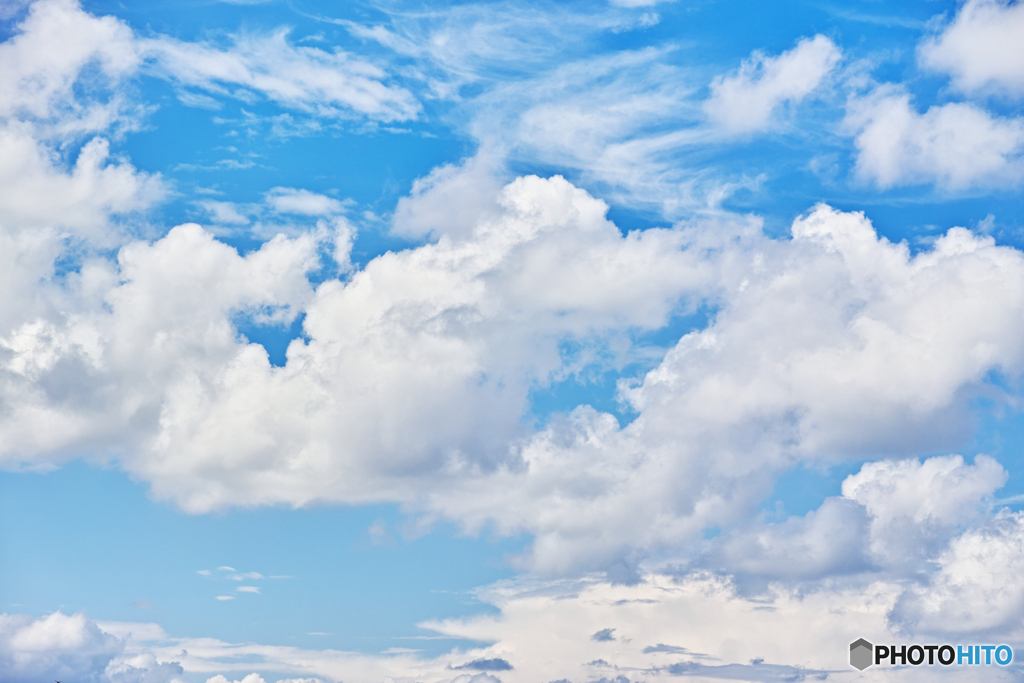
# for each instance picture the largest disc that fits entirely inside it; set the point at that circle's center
(307, 79)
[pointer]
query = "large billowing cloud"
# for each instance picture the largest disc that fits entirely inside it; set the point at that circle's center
(413, 381)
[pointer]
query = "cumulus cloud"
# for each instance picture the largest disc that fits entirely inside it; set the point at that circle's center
(450, 199)
(916, 507)
(60, 646)
(975, 588)
(52, 185)
(956, 146)
(36, 80)
(853, 357)
(744, 101)
(981, 48)
(412, 382)
(894, 519)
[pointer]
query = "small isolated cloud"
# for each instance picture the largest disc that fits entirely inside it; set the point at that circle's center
(496, 664)
(744, 101)
(198, 100)
(243, 576)
(226, 213)
(302, 202)
(378, 532)
(956, 146)
(225, 597)
(226, 569)
(981, 49)
(604, 635)
(204, 572)
(248, 589)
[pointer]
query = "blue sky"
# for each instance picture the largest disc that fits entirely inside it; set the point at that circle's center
(498, 342)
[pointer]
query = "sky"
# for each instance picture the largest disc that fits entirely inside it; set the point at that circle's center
(577, 342)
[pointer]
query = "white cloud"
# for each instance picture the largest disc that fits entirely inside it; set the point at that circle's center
(957, 146)
(830, 541)
(894, 519)
(744, 101)
(449, 200)
(693, 625)
(51, 185)
(917, 507)
(981, 48)
(666, 626)
(303, 202)
(976, 587)
(248, 589)
(624, 120)
(224, 212)
(36, 193)
(413, 380)
(36, 80)
(853, 357)
(306, 79)
(73, 647)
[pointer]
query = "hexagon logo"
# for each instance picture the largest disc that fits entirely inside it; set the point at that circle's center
(861, 654)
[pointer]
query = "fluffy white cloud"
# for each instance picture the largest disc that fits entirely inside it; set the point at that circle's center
(415, 373)
(981, 48)
(744, 101)
(916, 507)
(975, 588)
(450, 199)
(412, 381)
(894, 519)
(302, 202)
(36, 193)
(73, 647)
(62, 370)
(420, 365)
(860, 348)
(36, 80)
(828, 542)
(956, 146)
